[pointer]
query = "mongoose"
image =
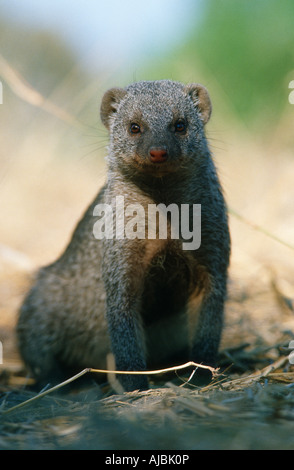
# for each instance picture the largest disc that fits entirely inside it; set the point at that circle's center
(147, 300)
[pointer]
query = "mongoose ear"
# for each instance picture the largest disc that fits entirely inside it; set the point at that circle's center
(109, 104)
(201, 100)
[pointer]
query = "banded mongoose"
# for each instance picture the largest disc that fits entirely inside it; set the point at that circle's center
(147, 300)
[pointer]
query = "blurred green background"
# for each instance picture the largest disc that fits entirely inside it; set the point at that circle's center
(242, 50)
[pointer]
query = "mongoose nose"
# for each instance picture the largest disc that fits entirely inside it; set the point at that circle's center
(158, 155)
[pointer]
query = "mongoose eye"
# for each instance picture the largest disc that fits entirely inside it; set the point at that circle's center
(180, 127)
(135, 128)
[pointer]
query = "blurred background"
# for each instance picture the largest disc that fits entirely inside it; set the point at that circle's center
(57, 60)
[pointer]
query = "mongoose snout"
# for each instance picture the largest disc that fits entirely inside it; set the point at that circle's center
(158, 155)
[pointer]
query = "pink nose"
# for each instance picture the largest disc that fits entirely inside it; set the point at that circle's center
(158, 155)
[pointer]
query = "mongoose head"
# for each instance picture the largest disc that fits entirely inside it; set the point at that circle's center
(157, 126)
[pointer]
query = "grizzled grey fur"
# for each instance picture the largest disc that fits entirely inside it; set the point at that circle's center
(148, 301)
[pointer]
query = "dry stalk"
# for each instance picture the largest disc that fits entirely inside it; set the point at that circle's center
(102, 371)
(250, 379)
(27, 93)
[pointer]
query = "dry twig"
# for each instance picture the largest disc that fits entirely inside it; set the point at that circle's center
(102, 371)
(27, 93)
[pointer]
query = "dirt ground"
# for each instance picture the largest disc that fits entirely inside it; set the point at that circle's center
(250, 405)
